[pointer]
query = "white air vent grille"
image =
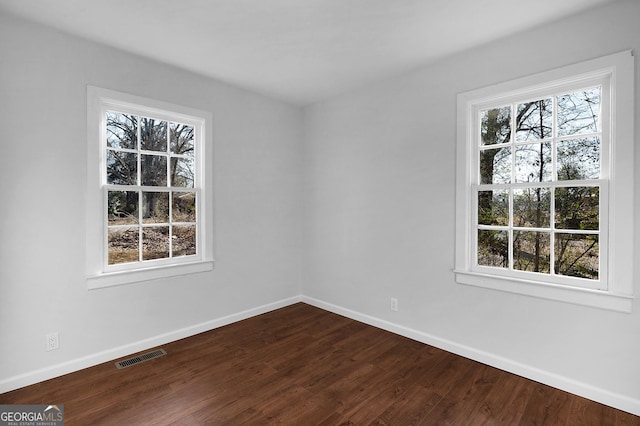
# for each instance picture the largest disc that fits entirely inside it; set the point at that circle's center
(140, 358)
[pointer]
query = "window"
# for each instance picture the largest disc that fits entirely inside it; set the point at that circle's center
(148, 205)
(545, 181)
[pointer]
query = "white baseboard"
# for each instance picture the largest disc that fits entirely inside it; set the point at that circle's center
(612, 399)
(57, 370)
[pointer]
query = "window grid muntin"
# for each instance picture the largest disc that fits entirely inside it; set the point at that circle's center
(168, 118)
(140, 225)
(510, 228)
(602, 184)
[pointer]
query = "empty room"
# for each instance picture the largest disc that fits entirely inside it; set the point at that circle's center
(319, 212)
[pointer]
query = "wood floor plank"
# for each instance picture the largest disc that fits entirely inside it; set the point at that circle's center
(387, 386)
(462, 397)
(301, 365)
(626, 419)
(589, 413)
(547, 406)
(511, 414)
(505, 393)
(412, 408)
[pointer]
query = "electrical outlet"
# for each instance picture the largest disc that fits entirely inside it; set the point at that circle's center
(53, 341)
(394, 304)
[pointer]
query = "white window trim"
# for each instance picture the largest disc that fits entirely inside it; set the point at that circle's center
(99, 275)
(619, 295)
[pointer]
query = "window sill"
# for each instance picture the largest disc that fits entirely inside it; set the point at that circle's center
(578, 296)
(112, 279)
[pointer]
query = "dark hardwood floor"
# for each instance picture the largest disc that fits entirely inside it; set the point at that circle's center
(301, 365)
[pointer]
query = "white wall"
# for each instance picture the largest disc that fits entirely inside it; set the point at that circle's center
(380, 207)
(43, 79)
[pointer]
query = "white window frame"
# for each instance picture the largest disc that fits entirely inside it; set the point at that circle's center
(614, 290)
(99, 273)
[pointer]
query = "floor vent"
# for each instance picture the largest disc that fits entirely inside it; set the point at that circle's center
(140, 358)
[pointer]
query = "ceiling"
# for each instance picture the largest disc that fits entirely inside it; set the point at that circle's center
(299, 51)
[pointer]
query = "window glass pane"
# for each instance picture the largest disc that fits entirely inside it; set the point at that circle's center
(122, 130)
(579, 159)
(532, 207)
(579, 112)
(495, 125)
(123, 245)
(155, 207)
(122, 168)
(534, 120)
(577, 208)
(182, 172)
(184, 240)
(495, 165)
(493, 207)
(531, 251)
(577, 255)
(122, 207)
(493, 248)
(184, 207)
(155, 242)
(533, 162)
(154, 134)
(181, 139)
(153, 170)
